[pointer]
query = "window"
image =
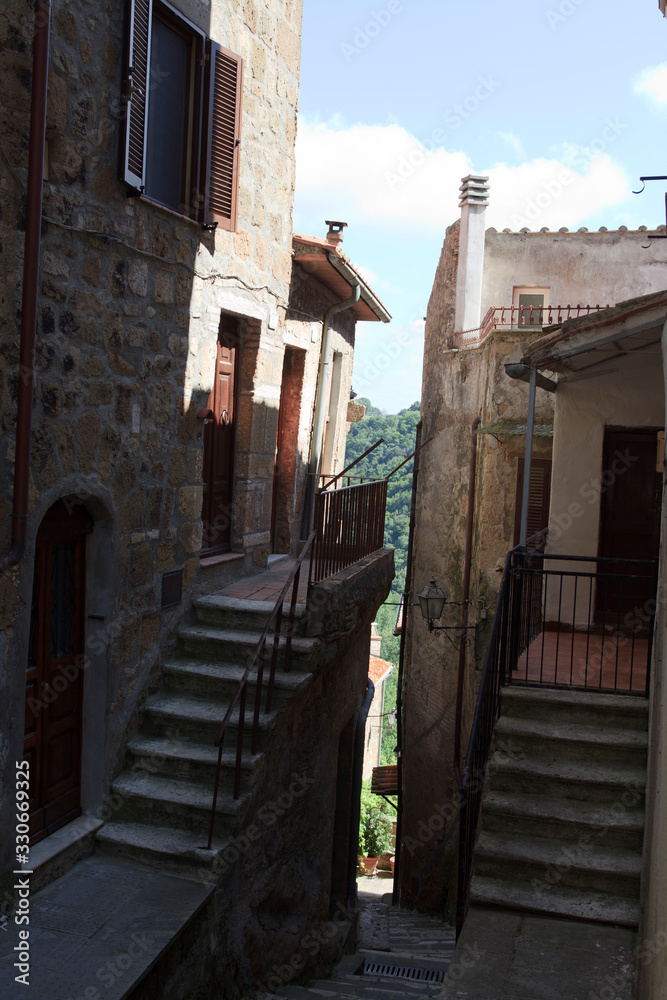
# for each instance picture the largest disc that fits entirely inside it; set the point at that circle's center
(529, 307)
(182, 131)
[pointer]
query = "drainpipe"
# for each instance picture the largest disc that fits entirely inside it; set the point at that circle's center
(355, 814)
(527, 462)
(467, 566)
(40, 71)
(318, 420)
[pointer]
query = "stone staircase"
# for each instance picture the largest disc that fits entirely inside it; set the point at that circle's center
(163, 797)
(563, 817)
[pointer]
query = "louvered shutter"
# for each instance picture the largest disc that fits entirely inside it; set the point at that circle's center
(538, 497)
(225, 92)
(138, 74)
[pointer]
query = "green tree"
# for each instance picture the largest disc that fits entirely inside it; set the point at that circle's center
(398, 433)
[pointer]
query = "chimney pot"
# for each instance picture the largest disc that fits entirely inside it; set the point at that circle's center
(335, 234)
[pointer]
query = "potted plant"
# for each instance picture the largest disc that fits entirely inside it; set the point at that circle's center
(374, 830)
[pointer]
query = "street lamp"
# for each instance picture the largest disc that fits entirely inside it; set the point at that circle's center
(432, 601)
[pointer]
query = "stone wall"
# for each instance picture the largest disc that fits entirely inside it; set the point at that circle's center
(459, 385)
(130, 302)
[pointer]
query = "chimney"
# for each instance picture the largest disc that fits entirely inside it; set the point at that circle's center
(376, 641)
(474, 199)
(335, 234)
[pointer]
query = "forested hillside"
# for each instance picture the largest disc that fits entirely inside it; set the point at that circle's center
(398, 431)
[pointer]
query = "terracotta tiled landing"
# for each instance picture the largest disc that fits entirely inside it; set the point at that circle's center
(267, 586)
(577, 660)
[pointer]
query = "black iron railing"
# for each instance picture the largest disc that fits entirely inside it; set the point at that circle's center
(257, 661)
(348, 524)
(557, 625)
(583, 623)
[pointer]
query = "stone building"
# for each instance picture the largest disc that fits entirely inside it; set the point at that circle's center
(157, 449)
(493, 295)
(378, 671)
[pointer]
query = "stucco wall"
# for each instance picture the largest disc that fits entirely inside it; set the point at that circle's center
(597, 268)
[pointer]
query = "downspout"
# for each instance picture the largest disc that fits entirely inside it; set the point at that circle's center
(40, 75)
(318, 419)
(355, 812)
(467, 566)
(407, 589)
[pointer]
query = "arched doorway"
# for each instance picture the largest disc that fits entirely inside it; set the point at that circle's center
(55, 668)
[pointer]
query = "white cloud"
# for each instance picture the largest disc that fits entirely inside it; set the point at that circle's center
(652, 83)
(383, 172)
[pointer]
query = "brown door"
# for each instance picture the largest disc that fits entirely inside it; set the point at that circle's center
(538, 497)
(54, 681)
(630, 519)
(219, 433)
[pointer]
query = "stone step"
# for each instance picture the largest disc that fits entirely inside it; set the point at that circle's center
(581, 707)
(576, 904)
(188, 718)
(552, 863)
(235, 646)
(242, 613)
(164, 801)
(369, 988)
(617, 825)
(166, 848)
(196, 762)
(573, 741)
(533, 773)
(220, 681)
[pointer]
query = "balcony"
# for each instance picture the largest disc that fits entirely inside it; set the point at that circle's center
(519, 318)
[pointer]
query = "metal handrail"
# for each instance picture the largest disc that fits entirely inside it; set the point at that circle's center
(258, 658)
(521, 616)
(349, 523)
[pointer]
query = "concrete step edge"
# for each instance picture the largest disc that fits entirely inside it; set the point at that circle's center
(562, 810)
(578, 772)
(209, 633)
(597, 907)
(153, 788)
(194, 753)
(570, 732)
(594, 860)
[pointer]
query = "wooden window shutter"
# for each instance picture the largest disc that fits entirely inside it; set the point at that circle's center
(538, 497)
(225, 94)
(137, 89)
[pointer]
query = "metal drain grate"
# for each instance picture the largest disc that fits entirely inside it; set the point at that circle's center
(401, 972)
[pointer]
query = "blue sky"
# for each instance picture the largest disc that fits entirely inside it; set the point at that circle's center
(563, 99)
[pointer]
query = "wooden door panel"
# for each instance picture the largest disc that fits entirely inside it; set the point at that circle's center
(219, 437)
(629, 518)
(54, 687)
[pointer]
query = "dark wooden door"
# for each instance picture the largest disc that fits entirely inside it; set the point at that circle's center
(219, 435)
(630, 519)
(54, 680)
(538, 497)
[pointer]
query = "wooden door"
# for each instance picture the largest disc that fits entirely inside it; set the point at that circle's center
(54, 679)
(538, 497)
(630, 518)
(219, 435)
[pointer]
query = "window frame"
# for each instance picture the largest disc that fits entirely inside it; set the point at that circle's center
(518, 291)
(204, 170)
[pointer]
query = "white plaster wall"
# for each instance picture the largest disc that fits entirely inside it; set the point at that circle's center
(579, 268)
(633, 396)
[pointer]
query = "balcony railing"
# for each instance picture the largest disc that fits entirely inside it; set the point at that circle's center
(520, 317)
(349, 524)
(560, 622)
